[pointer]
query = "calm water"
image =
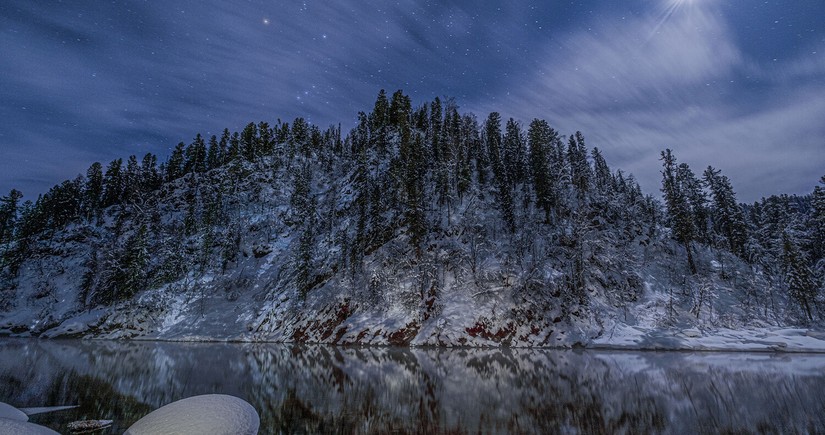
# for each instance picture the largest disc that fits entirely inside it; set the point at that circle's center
(380, 390)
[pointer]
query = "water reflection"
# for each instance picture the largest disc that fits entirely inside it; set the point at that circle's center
(379, 390)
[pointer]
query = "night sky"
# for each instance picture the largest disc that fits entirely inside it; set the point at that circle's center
(737, 84)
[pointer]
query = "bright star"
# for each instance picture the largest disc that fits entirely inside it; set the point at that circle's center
(266, 21)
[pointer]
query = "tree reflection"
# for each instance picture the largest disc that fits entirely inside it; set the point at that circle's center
(322, 389)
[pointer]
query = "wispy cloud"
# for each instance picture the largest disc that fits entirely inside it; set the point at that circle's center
(635, 86)
(80, 83)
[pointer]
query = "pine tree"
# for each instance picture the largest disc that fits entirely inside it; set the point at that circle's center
(113, 183)
(233, 152)
(223, 147)
(93, 191)
(306, 248)
(726, 214)
(249, 142)
(440, 150)
(301, 191)
(31, 221)
(514, 152)
(305, 208)
(266, 139)
(678, 207)
(818, 221)
(299, 138)
(132, 181)
(601, 172)
(8, 215)
(61, 204)
(195, 156)
(400, 111)
(797, 274)
(540, 138)
(132, 275)
(378, 126)
(176, 162)
(150, 178)
(492, 139)
(413, 170)
(693, 190)
(213, 153)
(469, 137)
(580, 173)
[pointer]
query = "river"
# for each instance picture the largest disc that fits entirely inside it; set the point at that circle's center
(325, 389)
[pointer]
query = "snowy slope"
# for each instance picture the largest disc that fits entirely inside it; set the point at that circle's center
(323, 240)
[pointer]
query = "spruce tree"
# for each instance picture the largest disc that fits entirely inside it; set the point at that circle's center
(233, 152)
(306, 248)
(299, 138)
(400, 111)
(132, 181)
(93, 191)
(726, 214)
(132, 275)
(601, 172)
(540, 138)
(176, 162)
(492, 139)
(678, 207)
(150, 178)
(266, 139)
(196, 156)
(514, 152)
(798, 275)
(223, 147)
(818, 221)
(378, 135)
(113, 183)
(693, 190)
(580, 173)
(8, 215)
(213, 153)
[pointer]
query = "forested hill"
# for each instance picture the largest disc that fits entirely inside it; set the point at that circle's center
(420, 226)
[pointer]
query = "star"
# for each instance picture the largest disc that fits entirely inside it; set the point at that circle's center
(266, 21)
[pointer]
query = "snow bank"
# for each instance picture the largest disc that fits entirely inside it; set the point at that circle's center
(745, 340)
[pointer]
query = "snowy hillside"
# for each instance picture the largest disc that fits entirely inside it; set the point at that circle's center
(420, 227)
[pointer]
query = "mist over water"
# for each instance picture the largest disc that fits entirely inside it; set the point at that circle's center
(311, 389)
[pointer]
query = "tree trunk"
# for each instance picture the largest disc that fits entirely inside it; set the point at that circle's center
(691, 264)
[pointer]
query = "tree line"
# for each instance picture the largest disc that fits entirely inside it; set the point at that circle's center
(411, 173)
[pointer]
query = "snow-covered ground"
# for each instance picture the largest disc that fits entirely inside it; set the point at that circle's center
(747, 340)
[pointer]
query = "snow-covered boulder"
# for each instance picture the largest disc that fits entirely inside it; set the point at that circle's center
(17, 427)
(216, 414)
(12, 413)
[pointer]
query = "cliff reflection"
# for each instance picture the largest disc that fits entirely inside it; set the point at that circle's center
(321, 389)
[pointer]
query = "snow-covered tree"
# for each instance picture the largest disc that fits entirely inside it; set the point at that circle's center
(798, 275)
(678, 206)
